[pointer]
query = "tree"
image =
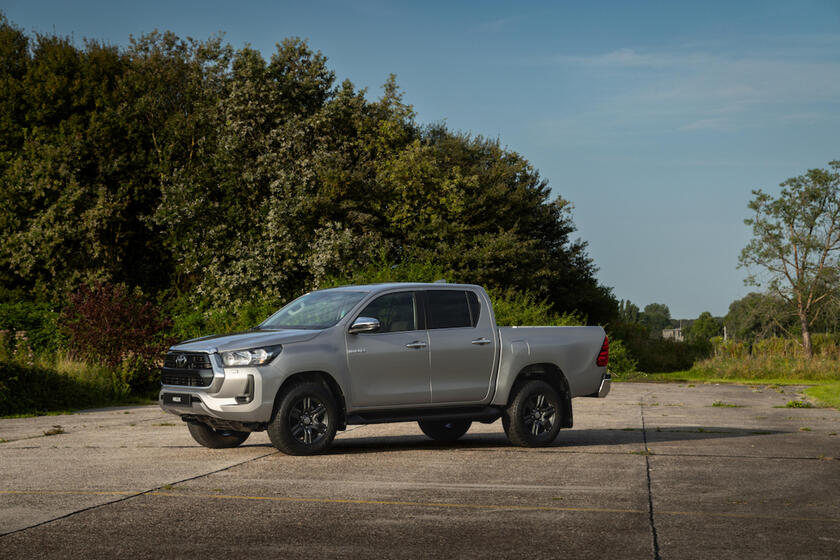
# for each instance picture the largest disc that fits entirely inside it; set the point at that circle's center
(704, 328)
(656, 317)
(757, 315)
(628, 311)
(796, 237)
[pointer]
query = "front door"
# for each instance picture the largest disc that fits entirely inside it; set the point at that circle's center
(390, 367)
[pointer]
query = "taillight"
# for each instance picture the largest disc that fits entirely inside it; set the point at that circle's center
(604, 354)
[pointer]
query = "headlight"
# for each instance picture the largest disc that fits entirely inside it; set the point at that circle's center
(253, 357)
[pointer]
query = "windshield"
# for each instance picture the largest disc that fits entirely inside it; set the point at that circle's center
(315, 310)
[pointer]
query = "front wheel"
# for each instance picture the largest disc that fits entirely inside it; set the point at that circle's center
(306, 420)
(216, 439)
(444, 430)
(533, 417)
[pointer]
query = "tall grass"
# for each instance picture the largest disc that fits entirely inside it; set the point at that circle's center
(779, 358)
(60, 383)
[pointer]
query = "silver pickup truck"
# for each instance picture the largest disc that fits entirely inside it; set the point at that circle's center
(429, 353)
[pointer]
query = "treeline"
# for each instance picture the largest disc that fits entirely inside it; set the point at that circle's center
(209, 177)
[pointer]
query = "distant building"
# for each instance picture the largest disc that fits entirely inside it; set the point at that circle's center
(673, 334)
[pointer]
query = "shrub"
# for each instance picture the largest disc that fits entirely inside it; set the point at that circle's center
(621, 362)
(36, 319)
(110, 325)
(514, 308)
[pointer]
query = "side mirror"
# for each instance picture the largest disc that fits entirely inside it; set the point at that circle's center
(363, 325)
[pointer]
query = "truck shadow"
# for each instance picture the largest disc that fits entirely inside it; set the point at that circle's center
(568, 439)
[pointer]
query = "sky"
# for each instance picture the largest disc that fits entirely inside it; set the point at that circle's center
(655, 119)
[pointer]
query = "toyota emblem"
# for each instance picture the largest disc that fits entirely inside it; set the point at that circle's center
(181, 361)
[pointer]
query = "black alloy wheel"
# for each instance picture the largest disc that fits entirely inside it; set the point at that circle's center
(533, 417)
(305, 419)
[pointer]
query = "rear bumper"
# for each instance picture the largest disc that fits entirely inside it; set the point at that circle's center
(604, 387)
(606, 382)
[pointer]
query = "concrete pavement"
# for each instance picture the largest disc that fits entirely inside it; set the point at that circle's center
(652, 471)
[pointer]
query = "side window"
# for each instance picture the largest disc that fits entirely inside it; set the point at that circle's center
(475, 308)
(448, 309)
(395, 312)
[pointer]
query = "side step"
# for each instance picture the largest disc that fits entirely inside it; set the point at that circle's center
(486, 415)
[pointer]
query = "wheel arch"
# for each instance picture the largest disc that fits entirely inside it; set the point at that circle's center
(325, 379)
(552, 375)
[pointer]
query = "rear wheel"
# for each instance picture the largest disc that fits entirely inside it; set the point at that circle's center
(533, 417)
(444, 430)
(306, 420)
(216, 439)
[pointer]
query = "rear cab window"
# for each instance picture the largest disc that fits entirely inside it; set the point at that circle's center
(449, 309)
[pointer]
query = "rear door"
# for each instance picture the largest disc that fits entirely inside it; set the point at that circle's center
(462, 344)
(390, 367)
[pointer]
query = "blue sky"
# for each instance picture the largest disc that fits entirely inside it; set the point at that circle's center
(656, 119)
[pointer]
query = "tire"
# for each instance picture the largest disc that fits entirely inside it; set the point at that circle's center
(216, 439)
(444, 430)
(533, 417)
(305, 421)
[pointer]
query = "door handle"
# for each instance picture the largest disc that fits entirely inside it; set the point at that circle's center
(416, 344)
(481, 341)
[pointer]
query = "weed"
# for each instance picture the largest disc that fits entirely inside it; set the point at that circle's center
(166, 487)
(726, 404)
(799, 404)
(804, 429)
(165, 424)
(646, 453)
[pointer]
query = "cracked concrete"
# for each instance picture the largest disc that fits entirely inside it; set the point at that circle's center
(652, 471)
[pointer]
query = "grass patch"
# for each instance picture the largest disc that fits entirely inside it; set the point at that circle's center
(693, 377)
(726, 405)
(826, 394)
(799, 404)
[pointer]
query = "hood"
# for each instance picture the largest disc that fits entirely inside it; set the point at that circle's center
(245, 340)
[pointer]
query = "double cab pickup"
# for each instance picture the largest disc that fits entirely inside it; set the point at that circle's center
(429, 353)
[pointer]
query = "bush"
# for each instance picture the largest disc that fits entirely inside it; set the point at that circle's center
(188, 321)
(36, 319)
(514, 308)
(107, 324)
(621, 362)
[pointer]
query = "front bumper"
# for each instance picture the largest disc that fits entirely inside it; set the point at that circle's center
(235, 394)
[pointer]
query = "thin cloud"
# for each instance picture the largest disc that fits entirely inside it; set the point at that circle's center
(498, 25)
(702, 90)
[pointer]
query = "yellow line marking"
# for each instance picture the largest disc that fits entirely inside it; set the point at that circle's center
(393, 503)
(493, 507)
(72, 492)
